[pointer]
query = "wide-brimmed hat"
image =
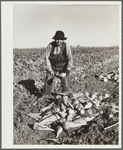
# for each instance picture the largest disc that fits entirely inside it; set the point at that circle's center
(59, 36)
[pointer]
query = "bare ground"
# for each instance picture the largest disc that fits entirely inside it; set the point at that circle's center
(29, 64)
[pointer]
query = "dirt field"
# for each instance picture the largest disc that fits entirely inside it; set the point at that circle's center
(28, 67)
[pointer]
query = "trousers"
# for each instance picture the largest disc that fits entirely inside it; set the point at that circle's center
(49, 81)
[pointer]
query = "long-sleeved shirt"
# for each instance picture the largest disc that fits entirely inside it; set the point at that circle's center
(57, 50)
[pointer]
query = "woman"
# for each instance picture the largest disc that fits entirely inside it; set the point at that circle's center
(58, 60)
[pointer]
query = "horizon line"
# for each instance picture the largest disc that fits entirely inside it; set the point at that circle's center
(70, 46)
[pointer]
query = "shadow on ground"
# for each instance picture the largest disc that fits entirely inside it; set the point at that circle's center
(30, 86)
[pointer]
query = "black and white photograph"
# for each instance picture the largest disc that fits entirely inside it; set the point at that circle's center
(65, 70)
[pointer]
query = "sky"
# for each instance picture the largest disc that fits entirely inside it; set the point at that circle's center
(34, 25)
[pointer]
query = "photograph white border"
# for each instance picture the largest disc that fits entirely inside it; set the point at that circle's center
(7, 75)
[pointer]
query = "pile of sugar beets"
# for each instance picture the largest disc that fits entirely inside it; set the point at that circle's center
(86, 118)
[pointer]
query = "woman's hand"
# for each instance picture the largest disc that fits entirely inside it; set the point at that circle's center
(63, 75)
(52, 73)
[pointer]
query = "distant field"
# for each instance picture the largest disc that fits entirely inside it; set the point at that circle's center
(82, 49)
(91, 55)
(28, 50)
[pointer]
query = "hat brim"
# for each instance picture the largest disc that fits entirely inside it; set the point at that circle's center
(57, 38)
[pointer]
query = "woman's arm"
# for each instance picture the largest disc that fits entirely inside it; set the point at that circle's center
(70, 58)
(48, 64)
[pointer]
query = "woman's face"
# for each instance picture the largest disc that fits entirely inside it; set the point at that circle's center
(59, 42)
